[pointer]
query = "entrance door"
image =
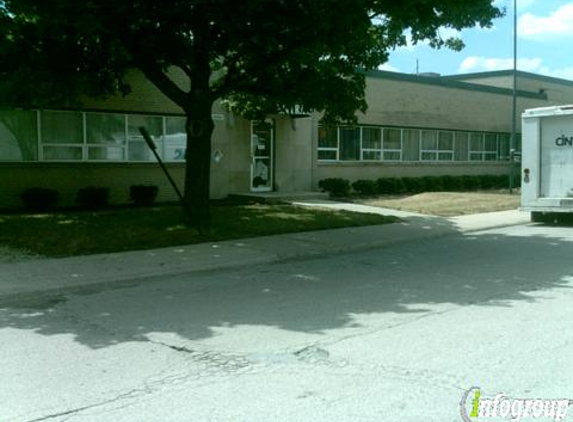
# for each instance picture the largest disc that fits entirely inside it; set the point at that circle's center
(262, 143)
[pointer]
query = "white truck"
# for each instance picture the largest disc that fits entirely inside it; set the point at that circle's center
(547, 162)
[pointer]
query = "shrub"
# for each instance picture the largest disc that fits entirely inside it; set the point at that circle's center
(93, 197)
(143, 194)
(413, 184)
(335, 186)
(365, 187)
(490, 181)
(452, 183)
(390, 186)
(40, 199)
(433, 183)
(470, 183)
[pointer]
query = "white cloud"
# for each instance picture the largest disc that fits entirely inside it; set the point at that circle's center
(535, 65)
(508, 4)
(558, 23)
(388, 67)
(563, 73)
(484, 64)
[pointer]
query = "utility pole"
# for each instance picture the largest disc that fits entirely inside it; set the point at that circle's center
(513, 140)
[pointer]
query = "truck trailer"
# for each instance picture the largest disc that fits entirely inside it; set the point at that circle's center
(547, 163)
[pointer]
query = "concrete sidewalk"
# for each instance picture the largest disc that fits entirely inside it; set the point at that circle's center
(77, 273)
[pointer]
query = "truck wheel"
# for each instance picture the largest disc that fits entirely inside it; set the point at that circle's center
(540, 217)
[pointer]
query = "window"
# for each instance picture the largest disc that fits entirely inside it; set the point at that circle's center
(90, 136)
(175, 138)
(105, 137)
(136, 146)
(349, 139)
(384, 144)
(411, 145)
(483, 147)
(371, 144)
(62, 136)
(392, 145)
(327, 143)
(18, 135)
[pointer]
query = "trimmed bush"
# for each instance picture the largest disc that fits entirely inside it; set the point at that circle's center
(365, 187)
(335, 186)
(143, 194)
(433, 183)
(470, 183)
(93, 197)
(414, 184)
(452, 183)
(40, 199)
(390, 186)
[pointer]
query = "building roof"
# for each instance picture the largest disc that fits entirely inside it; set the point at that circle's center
(452, 82)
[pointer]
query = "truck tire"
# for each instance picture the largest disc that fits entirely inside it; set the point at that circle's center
(540, 217)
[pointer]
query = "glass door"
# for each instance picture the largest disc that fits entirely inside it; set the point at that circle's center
(262, 142)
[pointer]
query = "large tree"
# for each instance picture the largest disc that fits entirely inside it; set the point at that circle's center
(260, 56)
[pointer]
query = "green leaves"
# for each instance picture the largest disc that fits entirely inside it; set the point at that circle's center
(269, 55)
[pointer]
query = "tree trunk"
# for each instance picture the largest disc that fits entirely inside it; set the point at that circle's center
(198, 161)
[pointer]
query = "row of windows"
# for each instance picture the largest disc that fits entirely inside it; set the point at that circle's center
(81, 136)
(370, 143)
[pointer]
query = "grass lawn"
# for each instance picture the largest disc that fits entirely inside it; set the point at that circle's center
(82, 233)
(448, 204)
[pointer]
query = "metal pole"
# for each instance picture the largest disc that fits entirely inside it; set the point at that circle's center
(153, 149)
(513, 140)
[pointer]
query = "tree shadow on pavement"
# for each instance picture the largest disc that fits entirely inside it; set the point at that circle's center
(493, 268)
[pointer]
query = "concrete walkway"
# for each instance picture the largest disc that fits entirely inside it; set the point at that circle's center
(77, 273)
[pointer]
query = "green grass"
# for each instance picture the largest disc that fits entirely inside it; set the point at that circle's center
(83, 233)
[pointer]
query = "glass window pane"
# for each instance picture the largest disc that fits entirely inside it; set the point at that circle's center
(391, 156)
(429, 156)
(138, 149)
(349, 143)
(105, 129)
(476, 156)
(392, 139)
(327, 137)
(371, 138)
(62, 153)
(106, 153)
(461, 146)
(326, 155)
(490, 142)
(411, 145)
(446, 141)
(62, 127)
(476, 141)
(18, 135)
(175, 139)
(371, 155)
(503, 145)
(445, 156)
(429, 139)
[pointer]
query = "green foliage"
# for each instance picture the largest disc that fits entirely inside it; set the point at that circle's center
(271, 56)
(336, 187)
(365, 187)
(452, 183)
(390, 186)
(93, 197)
(143, 194)
(40, 199)
(470, 183)
(433, 183)
(414, 184)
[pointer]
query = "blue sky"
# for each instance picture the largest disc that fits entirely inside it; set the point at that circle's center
(544, 37)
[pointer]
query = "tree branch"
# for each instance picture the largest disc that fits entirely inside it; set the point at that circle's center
(164, 84)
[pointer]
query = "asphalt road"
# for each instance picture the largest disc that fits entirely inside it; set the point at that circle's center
(398, 333)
